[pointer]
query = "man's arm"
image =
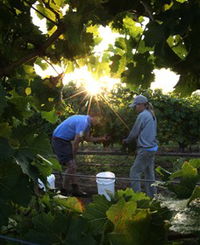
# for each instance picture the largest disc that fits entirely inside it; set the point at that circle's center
(90, 138)
(134, 131)
(87, 138)
(76, 143)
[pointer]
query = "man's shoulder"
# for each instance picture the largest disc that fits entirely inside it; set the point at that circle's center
(80, 120)
(77, 117)
(145, 114)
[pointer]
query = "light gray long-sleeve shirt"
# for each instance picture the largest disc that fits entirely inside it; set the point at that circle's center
(144, 130)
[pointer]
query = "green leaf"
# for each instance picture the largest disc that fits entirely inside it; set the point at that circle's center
(96, 213)
(28, 91)
(115, 63)
(118, 239)
(3, 101)
(130, 195)
(5, 130)
(24, 159)
(141, 224)
(50, 116)
(132, 26)
(6, 152)
(168, 6)
(71, 203)
(181, 1)
(121, 213)
(43, 65)
(11, 181)
(154, 34)
(22, 106)
(28, 69)
(195, 195)
(83, 236)
(70, 67)
(42, 230)
(163, 173)
(52, 162)
(195, 162)
(45, 11)
(187, 171)
(7, 211)
(177, 45)
(59, 2)
(134, 196)
(188, 178)
(187, 83)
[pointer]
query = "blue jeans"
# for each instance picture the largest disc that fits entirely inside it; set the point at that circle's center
(144, 163)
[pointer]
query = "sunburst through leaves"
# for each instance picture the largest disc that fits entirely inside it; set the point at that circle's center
(90, 93)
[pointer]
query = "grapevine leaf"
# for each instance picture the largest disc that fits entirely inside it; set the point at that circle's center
(83, 237)
(195, 162)
(133, 29)
(120, 213)
(96, 213)
(195, 194)
(6, 152)
(188, 178)
(187, 171)
(13, 180)
(5, 130)
(154, 34)
(50, 116)
(3, 102)
(71, 203)
(7, 211)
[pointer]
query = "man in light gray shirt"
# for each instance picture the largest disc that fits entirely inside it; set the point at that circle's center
(144, 132)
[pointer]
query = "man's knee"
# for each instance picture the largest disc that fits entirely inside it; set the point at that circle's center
(136, 170)
(71, 166)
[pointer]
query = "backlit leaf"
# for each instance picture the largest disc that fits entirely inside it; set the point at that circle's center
(5, 130)
(120, 213)
(50, 116)
(71, 203)
(195, 194)
(28, 91)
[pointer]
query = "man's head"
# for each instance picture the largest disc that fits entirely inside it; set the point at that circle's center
(95, 118)
(139, 103)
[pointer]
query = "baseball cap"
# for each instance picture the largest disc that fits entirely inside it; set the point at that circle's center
(139, 99)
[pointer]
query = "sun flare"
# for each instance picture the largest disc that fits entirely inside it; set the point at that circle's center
(83, 78)
(92, 87)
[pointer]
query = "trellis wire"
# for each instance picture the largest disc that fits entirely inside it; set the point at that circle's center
(17, 240)
(117, 178)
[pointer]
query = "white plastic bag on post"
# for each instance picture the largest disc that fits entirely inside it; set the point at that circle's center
(50, 182)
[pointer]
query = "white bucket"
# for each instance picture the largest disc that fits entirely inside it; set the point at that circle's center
(50, 182)
(106, 186)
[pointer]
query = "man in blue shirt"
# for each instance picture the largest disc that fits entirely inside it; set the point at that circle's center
(144, 132)
(65, 142)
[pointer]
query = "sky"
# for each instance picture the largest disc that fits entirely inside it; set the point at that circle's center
(164, 78)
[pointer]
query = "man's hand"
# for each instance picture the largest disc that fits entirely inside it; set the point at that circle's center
(104, 138)
(101, 139)
(124, 142)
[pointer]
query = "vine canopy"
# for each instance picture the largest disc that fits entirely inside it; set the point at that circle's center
(170, 39)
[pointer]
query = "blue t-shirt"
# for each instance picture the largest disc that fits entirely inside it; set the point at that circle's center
(72, 126)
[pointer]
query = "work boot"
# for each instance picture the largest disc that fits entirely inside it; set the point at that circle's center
(77, 192)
